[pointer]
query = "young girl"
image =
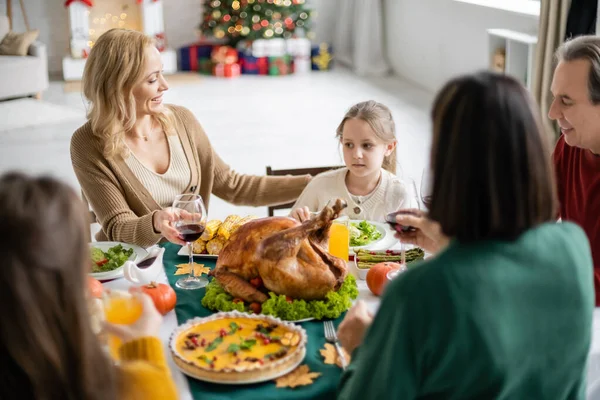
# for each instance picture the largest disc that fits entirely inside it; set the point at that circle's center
(368, 184)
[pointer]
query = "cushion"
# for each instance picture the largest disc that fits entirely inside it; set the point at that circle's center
(17, 44)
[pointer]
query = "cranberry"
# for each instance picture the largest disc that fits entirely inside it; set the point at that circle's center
(203, 342)
(266, 341)
(194, 340)
(222, 333)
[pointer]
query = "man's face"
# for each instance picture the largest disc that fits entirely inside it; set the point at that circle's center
(578, 118)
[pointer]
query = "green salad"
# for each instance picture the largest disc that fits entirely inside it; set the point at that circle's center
(363, 233)
(335, 303)
(109, 260)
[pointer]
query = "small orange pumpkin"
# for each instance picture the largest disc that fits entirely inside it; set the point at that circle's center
(95, 288)
(377, 276)
(162, 295)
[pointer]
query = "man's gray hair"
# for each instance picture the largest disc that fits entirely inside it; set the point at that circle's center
(584, 48)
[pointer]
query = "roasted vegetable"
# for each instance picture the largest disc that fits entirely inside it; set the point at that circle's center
(241, 222)
(215, 245)
(211, 229)
(199, 246)
(225, 230)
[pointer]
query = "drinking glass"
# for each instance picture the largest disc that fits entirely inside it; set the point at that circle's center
(426, 188)
(339, 239)
(411, 201)
(191, 222)
(120, 308)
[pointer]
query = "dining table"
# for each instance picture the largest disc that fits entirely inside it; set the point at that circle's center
(189, 306)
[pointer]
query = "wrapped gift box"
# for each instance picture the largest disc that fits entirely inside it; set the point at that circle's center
(322, 57)
(280, 65)
(254, 65)
(226, 70)
(194, 57)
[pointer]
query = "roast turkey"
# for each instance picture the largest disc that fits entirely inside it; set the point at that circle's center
(290, 257)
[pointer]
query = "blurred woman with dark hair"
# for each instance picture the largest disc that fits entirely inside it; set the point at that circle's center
(504, 310)
(47, 347)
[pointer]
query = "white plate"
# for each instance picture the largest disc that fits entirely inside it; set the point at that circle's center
(380, 227)
(138, 254)
(183, 251)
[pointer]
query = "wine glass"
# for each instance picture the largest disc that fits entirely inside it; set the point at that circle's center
(411, 201)
(191, 222)
(426, 188)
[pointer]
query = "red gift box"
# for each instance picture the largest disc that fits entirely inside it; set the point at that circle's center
(227, 70)
(254, 66)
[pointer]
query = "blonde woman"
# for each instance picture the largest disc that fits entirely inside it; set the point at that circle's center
(367, 135)
(135, 154)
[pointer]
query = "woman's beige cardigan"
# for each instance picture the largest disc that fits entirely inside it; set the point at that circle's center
(124, 207)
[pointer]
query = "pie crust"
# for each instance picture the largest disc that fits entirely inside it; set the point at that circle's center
(232, 367)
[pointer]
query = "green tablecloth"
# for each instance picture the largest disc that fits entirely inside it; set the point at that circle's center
(189, 306)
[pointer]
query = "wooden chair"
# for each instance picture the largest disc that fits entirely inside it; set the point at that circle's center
(295, 171)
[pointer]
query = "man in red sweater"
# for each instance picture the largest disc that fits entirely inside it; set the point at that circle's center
(576, 108)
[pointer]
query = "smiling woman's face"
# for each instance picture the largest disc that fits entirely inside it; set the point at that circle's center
(149, 90)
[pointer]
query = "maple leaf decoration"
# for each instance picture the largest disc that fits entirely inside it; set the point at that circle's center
(331, 356)
(185, 269)
(301, 376)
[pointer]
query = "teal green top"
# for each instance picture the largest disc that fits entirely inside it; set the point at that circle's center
(488, 320)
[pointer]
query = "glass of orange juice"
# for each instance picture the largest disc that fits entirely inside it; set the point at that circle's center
(121, 308)
(339, 239)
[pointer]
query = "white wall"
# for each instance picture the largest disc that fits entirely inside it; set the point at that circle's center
(51, 17)
(431, 41)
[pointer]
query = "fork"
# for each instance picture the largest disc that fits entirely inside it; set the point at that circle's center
(331, 337)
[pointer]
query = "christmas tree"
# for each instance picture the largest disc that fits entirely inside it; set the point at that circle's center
(236, 20)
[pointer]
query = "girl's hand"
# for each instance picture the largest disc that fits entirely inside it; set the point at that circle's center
(427, 234)
(147, 325)
(162, 221)
(301, 214)
(352, 329)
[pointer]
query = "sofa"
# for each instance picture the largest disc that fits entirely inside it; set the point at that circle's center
(22, 76)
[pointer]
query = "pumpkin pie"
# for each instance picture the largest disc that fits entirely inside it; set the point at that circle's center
(234, 347)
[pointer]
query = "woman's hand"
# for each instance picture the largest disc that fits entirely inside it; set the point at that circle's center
(301, 214)
(427, 234)
(147, 325)
(352, 329)
(162, 221)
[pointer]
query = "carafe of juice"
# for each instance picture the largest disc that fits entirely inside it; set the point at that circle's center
(339, 239)
(120, 308)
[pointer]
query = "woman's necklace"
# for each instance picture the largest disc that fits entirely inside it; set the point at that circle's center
(145, 136)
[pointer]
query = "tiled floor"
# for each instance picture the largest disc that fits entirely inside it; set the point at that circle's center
(252, 122)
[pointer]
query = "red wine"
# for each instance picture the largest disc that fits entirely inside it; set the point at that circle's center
(391, 220)
(190, 232)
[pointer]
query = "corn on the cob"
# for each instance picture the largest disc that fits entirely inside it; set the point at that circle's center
(210, 231)
(225, 228)
(199, 246)
(215, 245)
(241, 222)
